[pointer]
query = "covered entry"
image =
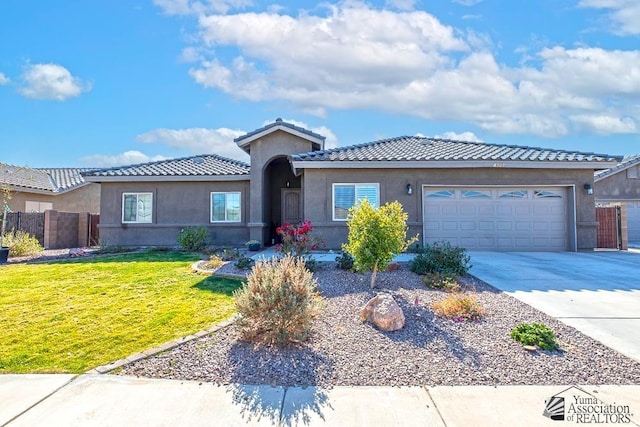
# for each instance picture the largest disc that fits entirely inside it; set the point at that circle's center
(498, 218)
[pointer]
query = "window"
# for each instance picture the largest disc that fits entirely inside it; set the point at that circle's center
(137, 207)
(515, 194)
(346, 196)
(442, 194)
(544, 194)
(473, 194)
(225, 207)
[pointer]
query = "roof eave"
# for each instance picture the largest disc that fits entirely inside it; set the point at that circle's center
(167, 178)
(245, 143)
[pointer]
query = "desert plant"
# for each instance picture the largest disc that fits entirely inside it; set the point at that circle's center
(21, 243)
(443, 258)
(244, 263)
(214, 262)
(459, 308)
(535, 334)
(444, 282)
(228, 254)
(345, 261)
(193, 239)
(376, 236)
(253, 245)
(278, 303)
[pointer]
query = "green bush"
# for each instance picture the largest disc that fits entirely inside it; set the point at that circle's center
(535, 334)
(21, 243)
(228, 254)
(441, 257)
(278, 303)
(214, 263)
(193, 239)
(444, 282)
(244, 263)
(345, 261)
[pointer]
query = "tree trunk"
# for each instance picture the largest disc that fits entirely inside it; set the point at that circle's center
(373, 275)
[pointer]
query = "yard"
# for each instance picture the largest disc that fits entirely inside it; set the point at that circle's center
(71, 316)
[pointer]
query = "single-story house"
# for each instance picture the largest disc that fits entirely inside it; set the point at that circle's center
(476, 195)
(621, 184)
(41, 189)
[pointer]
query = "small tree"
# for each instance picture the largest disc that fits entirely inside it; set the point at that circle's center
(376, 236)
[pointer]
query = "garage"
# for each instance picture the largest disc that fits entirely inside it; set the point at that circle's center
(633, 220)
(498, 218)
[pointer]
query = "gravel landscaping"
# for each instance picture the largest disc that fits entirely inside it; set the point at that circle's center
(428, 351)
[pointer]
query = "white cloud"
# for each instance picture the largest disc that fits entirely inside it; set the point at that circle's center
(198, 141)
(624, 14)
(410, 63)
(189, 7)
(402, 4)
(463, 136)
(467, 2)
(4, 80)
(605, 125)
(51, 81)
(123, 159)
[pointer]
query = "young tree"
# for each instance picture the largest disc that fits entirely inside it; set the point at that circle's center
(376, 236)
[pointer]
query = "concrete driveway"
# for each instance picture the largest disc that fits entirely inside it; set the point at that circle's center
(597, 293)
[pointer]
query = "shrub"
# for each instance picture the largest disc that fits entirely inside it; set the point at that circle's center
(444, 282)
(228, 254)
(459, 308)
(21, 243)
(441, 257)
(376, 235)
(297, 239)
(193, 239)
(535, 334)
(278, 303)
(214, 262)
(244, 263)
(345, 261)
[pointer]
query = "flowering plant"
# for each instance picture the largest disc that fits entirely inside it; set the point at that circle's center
(297, 239)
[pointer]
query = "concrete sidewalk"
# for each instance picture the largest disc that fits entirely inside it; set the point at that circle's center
(109, 400)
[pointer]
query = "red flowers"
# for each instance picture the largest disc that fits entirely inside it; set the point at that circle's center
(296, 240)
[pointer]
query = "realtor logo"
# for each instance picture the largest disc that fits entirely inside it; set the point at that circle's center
(554, 408)
(578, 406)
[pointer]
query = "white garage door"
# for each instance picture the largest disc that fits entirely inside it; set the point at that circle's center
(633, 221)
(502, 219)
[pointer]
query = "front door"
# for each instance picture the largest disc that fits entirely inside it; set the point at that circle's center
(291, 206)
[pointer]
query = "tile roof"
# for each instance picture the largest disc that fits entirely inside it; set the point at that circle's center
(623, 165)
(202, 165)
(415, 148)
(279, 122)
(42, 179)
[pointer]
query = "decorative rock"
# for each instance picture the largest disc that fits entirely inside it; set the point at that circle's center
(384, 312)
(530, 347)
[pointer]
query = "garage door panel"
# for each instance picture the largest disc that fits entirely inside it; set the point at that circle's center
(502, 219)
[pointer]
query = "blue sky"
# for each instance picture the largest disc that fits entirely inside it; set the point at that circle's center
(103, 83)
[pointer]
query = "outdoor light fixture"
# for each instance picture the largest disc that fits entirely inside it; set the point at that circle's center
(409, 189)
(588, 188)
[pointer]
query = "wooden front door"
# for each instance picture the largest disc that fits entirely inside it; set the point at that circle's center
(291, 206)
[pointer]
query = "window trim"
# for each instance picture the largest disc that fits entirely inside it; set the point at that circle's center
(355, 185)
(225, 221)
(137, 194)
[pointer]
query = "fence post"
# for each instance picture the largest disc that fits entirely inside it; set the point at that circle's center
(83, 228)
(50, 229)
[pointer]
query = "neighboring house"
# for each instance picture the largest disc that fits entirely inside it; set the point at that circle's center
(477, 195)
(40, 189)
(621, 184)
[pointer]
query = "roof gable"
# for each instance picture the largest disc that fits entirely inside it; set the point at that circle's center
(245, 141)
(51, 180)
(625, 164)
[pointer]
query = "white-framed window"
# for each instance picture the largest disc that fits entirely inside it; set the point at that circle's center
(346, 196)
(37, 206)
(137, 208)
(225, 207)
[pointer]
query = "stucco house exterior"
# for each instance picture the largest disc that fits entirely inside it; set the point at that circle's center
(621, 184)
(477, 195)
(41, 189)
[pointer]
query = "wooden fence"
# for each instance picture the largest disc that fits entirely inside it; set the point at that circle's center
(56, 230)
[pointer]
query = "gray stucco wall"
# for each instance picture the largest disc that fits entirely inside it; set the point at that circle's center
(176, 205)
(317, 194)
(82, 199)
(618, 186)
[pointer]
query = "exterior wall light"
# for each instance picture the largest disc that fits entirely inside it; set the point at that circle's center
(588, 188)
(409, 189)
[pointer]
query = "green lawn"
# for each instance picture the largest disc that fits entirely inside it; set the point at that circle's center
(73, 316)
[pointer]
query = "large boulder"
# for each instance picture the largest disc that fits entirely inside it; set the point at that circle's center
(384, 312)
